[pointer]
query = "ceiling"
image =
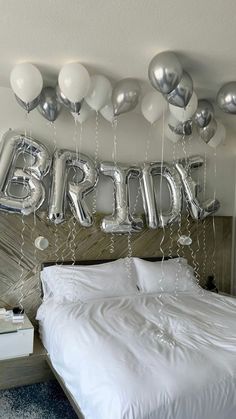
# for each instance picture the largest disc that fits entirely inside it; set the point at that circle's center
(119, 37)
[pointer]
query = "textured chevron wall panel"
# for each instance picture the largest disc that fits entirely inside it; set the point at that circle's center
(20, 261)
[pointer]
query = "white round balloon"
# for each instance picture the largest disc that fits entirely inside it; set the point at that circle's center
(183, 114)
(152, 106)
(99, 93)
(107, 112)
(219, 136)
(74, 81)
(84, 113)
(26, 82)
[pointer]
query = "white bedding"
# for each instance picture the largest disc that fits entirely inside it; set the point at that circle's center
(123, 359)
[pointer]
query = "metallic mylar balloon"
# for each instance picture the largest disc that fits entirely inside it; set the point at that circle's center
(198, 210)
(204, 113)
(62, 162)
(165, 72)
(207, 132)
(182, 128)
(182, 94)
(154, 220)
(125, 96)
(29, 178)
(30, 105)
(183, 114)
(121, 221)
(226, 98)
(72, 107)
(49, 106)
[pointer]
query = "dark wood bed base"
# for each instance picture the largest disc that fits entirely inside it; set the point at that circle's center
(99, 261)
(65, 389)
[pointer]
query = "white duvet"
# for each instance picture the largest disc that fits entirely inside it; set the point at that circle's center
(124, 358)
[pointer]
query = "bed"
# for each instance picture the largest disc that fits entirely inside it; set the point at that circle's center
(147, 348)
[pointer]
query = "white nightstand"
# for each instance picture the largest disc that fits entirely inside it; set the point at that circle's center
(16, 339)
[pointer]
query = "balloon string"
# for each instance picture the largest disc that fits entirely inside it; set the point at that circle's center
(198, 247)
(171, 229)
(186, 156)
(163, 226)
(213, 218)
(179, 228)
(129, 256)
(72, 241)
(146, 154)
(114, 156)
(56, 232)
(204, 221)
(163, 336)
(94, 205)
(194, 254)
(130, 250)
(23, 227)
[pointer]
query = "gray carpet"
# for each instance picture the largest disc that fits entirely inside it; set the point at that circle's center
(38, 401)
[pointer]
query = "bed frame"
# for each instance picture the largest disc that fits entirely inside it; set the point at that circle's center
(83, 262)
(98, 261)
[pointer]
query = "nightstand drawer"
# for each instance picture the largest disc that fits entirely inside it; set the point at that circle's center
(15, 344)
(20, 371)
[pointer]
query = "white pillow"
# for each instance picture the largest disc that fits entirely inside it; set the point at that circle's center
(87, 282)
(167, 276)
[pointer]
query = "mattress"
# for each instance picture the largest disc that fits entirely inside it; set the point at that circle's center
(149, 356)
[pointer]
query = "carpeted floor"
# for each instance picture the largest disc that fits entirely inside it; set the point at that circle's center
(38, 401)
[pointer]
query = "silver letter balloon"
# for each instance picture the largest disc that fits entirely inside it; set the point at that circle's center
(27, 178)
(197, 210)
(121, 221)
(76, 191)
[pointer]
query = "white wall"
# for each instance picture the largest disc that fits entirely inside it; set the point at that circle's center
(132, 133)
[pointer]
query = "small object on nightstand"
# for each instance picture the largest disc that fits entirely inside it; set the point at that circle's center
(17, 314)
(210, 284)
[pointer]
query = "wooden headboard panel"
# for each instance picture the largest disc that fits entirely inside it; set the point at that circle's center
(20, 264)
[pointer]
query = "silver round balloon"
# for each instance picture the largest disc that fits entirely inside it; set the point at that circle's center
(182, 94)
(226, 98)
(204, 113)
(207, 132)
(30, 105)
(125, 96)
(72, 107)
(182, 128)
(49, 106)
(121, 221)
(63, 161)
(165, 72)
